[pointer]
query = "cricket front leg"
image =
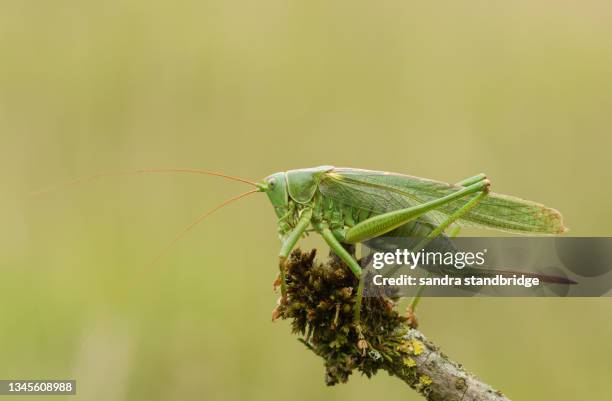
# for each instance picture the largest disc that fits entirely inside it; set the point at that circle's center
(289, 243)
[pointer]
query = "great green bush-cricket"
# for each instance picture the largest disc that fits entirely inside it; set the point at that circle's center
(348, 206)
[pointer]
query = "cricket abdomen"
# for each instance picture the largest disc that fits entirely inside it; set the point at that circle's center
(342, 216)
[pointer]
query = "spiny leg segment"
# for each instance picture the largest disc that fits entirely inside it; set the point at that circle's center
(288, 244)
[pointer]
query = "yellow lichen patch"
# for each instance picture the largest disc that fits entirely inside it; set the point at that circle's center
(425, 380)
(417, 347)
(409, 362)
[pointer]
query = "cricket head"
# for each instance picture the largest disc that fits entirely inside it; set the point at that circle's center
(294, 185)
(275, 186)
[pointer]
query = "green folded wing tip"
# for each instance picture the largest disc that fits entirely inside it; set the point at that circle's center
(555, 219)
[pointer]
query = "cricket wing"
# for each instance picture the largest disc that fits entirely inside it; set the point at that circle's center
(382, 192)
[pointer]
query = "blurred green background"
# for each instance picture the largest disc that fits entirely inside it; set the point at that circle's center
(521, 90)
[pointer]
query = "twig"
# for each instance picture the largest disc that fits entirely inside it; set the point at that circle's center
(320, 302)
(449, 380)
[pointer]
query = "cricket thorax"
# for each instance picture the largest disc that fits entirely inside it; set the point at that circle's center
(324, 210)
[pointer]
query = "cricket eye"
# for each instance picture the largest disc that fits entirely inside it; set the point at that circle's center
(271, 183)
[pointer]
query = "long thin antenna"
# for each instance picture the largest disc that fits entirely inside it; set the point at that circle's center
(198, 221)
(139, 171)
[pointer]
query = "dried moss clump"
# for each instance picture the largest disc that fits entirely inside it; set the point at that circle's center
(320, 303)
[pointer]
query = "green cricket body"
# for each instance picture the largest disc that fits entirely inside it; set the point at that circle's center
(343, 197)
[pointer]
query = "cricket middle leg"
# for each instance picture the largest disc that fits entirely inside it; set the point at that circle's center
(412, 320)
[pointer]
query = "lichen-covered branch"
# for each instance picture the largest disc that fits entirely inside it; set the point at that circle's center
(320, 302)
(448, 380)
